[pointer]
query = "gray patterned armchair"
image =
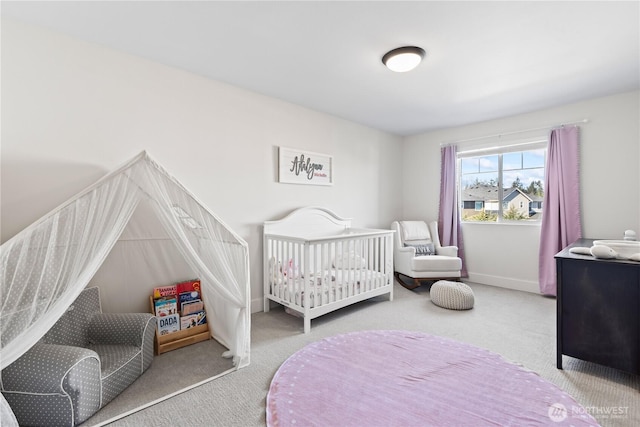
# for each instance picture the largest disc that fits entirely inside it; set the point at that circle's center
(80, 365)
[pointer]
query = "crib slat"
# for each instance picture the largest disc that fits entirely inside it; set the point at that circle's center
(381, 261)
(365, 285)
(360, 268)
(285, 267)
(341, 277)
(303, 278)
(377, 261)
(327, 280)
(320, 269)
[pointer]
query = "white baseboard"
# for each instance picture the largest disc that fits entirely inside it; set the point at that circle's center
(504, 282)
(257, 305)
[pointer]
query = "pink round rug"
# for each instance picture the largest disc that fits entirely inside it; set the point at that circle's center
(403, 378)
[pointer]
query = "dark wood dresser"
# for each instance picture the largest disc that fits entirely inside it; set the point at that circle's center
(598, 304)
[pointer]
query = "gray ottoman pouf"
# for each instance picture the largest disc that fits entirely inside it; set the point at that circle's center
(452, 295)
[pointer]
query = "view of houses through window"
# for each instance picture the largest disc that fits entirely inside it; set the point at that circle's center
(502, 186)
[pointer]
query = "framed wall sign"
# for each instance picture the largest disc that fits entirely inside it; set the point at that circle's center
(304, 167)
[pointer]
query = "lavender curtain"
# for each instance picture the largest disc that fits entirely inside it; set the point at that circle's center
(561, 223)
(448, 218)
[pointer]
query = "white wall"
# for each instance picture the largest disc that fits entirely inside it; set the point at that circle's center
(609, 173)
(72, 111)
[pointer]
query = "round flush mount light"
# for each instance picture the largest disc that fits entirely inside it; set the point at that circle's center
(403, 58)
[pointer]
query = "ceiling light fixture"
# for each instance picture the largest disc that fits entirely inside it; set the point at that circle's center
(403, 58)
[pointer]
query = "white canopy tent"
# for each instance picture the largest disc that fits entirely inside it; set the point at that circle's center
(138, 211)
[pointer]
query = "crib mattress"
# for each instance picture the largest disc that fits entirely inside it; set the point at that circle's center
(331, 286)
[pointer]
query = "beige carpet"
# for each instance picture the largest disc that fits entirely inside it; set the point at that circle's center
(169, 373)
(520, 326)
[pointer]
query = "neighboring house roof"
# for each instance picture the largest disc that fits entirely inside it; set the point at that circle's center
(511, 193)
(490, 193)
(480, 192)
(536, 198)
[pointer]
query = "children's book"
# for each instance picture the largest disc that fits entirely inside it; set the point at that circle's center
(202, 317)
(166, 306)
(188, 286)
(191, 307)
(165, 291)
(188, 296)
(168, 324)
(188, 321)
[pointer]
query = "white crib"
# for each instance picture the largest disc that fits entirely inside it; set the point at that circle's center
(315, 263)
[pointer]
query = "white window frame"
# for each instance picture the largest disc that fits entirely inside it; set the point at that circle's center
(513, 147)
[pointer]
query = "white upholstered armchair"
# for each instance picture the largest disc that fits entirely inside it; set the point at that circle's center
(418, 255)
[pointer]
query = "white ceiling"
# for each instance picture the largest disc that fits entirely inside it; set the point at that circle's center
(484, 59)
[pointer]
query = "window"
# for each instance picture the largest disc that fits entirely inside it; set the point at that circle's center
(501, 185)
(185, 217)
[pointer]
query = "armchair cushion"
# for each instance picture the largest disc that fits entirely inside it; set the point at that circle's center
(121, 366)
(415, 230)
(423, 249)
(435, 264)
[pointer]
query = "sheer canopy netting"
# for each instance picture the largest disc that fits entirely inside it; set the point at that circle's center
(47, 265)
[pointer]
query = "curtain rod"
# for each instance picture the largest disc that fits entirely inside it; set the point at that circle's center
(515, 132)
